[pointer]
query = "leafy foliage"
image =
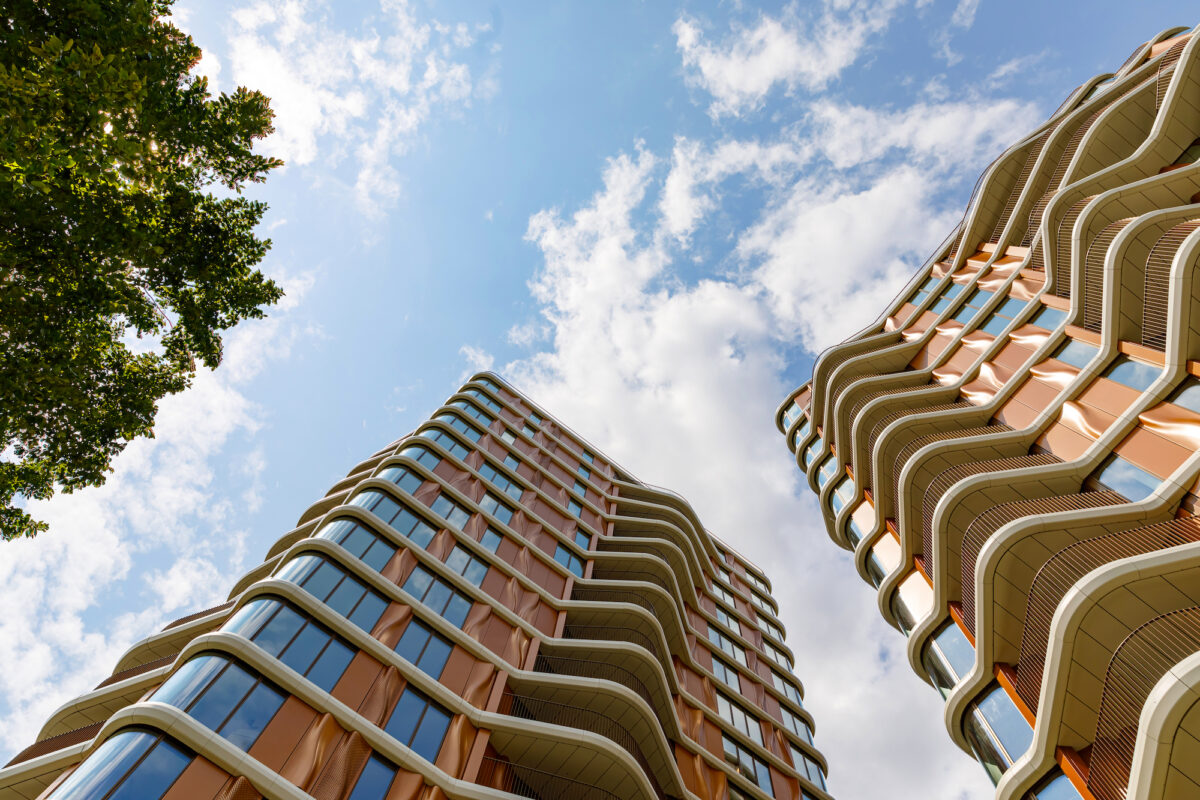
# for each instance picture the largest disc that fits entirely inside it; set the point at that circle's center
(120, 219)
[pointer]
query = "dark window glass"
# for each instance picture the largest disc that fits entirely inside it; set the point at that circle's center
(105, 768)
(282, 628)
(252, 716)
(186, 684)
(423, 647)
(853, 533)
(1131, 482)
(345, 597)
(569, 560)
(368, 612)
(582, 539)
(455, 514)
(427, 458)
(419, 723)
(493, 506)
(323, 580)
(467, 565)
(221, 696)
(1133, 374)
(747, 764)
(155, 774)
(250, 617)
(305, 648)
(438, 596)
(375, 780)
(491, 540)
(330, 665)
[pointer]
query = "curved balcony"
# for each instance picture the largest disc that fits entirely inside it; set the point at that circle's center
(536, 784)
(992, 520)
(1064, 569)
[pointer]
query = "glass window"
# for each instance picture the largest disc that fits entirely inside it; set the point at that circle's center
(588, 457)
(811, 451)
(1049, 319)
(724, 594)
(948, 657)
(727, 619)
(427, 458)
(438, 595)
(796, 725)
(488, 402)
(360, 542)
(1055, 786)
(739, 718)
(842, 494)
(508, 437)
(771, 628)
(492, 505)
(403, 477)
(778, 655)
(996, 731)
(331, 585)
(224, 697)
(501, 481)
(1131, 482)
(808, 767)
(1133, 374)
(726, 673)
(794, 411)
(303, 644)
(528, 431)
(583, 540)
(1075, 353)
(535, 418)
(467, 565)
(760, 602)
(828, 467)
(472, 412)
(726, 645)
(757, 582)
(131, 764)
(422, 646)
(419, 723)
(451, 511)
(1188, 395)
(569, 560)
(461, 425)
(853, 533)
(747, 765)
(574, 508)
(584, 472)
(491, 540)
(580, 488)
(788, 688)
(974, 303)
(374, 781)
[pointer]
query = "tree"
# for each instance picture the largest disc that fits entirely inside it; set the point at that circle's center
(121, 219)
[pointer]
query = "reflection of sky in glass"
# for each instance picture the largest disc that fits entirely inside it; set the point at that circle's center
(1076, 353)
(1132, 482)
(1058, 787)
(1133, 374)
(955, 649)
(1050, 318)
(1006, 722)
(1189, 396)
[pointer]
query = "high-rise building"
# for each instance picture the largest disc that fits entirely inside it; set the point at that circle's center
(1011, 450)
(487, 607)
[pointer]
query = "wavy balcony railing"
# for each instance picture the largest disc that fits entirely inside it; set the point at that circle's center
(995, 518)
(1155, 308)
(536, 784)
(1064, 569)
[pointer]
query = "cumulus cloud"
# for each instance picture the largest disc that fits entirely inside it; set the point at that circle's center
(158, 537)
(678, 377)
(793, 50)
(478, 360)
(350, 94)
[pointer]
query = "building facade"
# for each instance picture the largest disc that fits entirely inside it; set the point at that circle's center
(1012, 449)
(486, 608)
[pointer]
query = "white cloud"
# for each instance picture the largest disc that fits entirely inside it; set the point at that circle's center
(678, 379)
(964, 13)
(790, 50)
(156, 537)
(337, 92)
(962, 19)
(1014, 66)
(478, 360)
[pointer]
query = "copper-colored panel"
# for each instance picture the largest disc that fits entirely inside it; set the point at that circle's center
(1172, 422)
(283, 733)
(1053, 372)
(456, 746)
(1064, 442)
(352, 687)
(1153, 453)
(1084, 419)
(313, 750)
(1017, 415)
(1036, 394)
(392, 623)
(1110, 396)
(381, 695)
(200, 780)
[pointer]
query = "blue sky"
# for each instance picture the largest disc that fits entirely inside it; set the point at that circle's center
(648, 216)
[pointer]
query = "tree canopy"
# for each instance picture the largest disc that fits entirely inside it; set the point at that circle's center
(121, 220)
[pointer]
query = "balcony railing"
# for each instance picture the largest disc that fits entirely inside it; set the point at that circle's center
(586, 668)
(586, 719)
(614, 633)
(536, 784)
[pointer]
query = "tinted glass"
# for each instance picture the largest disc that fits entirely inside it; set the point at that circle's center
(1056, 787)
(303, 651)
(369, 610)
(250, 617)
(1049, 318)
(105, 766)
(457, 610)
(321, 582)
(1006, 722)
(996, 325)
(189, 681)
(244, 727)
(373, 783)
(222, 695)
(330, 665)
(155, 774)
(279, 631)
(853, 533)
(428, 740)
